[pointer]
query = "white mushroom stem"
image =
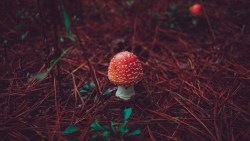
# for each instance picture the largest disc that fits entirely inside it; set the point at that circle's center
(125, 92)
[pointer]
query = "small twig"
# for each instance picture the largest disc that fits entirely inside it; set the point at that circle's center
(44, 35)
(133, 38)
(47, 49)
(208, 21)
(80, 11)
(85, 55)
(56, 43)
(150, 134)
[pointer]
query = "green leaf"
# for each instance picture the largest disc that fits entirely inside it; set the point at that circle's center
(127, 113)
(122, 128)
(179, 117)
(106, 133)
(96, 126)
(82, 91)
(194, 21)
(168, 13)
(70, 35)
(136, 132)
(113, 128)
(21, 26)
(67, 22)
(84, 97)
(95, 136)
(24, 35)
(86, 86)
(37, 15)
(108, 92)
(61, 39)
(96, 98)
(70, 129)
(173, 8)
(172, 26)
(91, 86)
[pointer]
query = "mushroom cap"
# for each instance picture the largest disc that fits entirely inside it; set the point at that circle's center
(125, 69)
(196, 10)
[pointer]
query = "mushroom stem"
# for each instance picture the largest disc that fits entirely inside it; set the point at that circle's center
(125, 92)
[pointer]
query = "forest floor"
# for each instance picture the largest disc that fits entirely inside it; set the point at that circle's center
(196, 80)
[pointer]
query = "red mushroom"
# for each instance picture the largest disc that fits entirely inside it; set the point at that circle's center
(196, 10)
(125, 70)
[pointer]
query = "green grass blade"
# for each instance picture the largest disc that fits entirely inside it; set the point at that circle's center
(40, 76)
(67, 22)
(24, 35)
(57, 60)
(113, 128)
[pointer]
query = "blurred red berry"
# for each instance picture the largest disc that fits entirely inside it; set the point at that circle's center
(196, 10)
